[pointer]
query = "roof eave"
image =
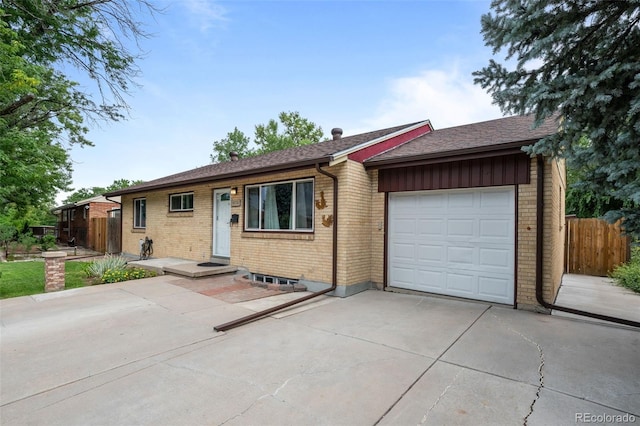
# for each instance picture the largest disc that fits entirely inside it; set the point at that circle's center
(461, 154)
(244, 173)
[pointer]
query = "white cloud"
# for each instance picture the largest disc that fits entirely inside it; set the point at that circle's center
(205, 13)
(445, 96)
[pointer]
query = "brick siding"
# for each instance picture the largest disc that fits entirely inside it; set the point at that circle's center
(553, 257)
(189, 235)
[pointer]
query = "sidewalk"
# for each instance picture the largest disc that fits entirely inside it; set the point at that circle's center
(597, 295)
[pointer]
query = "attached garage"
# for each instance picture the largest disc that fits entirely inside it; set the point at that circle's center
(457, 242)
(465, 215)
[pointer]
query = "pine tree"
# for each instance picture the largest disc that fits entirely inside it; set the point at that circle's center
(580, 58)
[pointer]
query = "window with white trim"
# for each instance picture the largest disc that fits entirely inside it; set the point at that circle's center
(140, 213)
(181, 202)
(282, 206)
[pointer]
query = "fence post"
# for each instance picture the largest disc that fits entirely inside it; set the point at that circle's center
(53, 270)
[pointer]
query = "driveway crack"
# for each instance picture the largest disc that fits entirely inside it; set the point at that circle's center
(540, 368)
(424, 418)
(540, 378)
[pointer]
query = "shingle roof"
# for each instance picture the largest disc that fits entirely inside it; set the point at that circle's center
(279, 160)
(488, 135)
(96, 199)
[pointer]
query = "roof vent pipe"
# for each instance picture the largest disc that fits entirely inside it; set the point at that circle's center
(336, 132)
(233, 155)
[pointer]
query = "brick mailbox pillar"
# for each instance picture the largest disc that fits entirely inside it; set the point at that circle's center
(53, 270)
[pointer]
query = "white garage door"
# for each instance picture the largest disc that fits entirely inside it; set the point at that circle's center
(456, 242)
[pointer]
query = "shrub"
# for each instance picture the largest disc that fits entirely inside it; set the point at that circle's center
(118, 275)
(47, 242)
(98, 268)
(628, 274)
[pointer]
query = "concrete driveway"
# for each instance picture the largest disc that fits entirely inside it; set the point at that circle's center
(144, 352)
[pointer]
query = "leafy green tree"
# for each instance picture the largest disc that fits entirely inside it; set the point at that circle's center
(580, 59)
(582, 201)
(32, 163)
(297, 131)
(94, 191)
(292, 130)
(236, 141)
(42, 110)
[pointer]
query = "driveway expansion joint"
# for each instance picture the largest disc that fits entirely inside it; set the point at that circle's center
(431, 365)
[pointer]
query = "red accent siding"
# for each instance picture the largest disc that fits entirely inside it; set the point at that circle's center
(386, 145)
(479, 172)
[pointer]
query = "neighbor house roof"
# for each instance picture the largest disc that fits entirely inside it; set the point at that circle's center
(96, 199)
(493, 135)
(287, 159)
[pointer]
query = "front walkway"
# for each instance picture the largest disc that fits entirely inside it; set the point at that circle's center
(598, 295)
(229, 288)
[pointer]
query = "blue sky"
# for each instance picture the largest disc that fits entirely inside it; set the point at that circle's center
(359, 65)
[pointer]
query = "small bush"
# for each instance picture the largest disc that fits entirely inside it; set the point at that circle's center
(118, 275)
(98, 268)
(628, 274)
(47, 242)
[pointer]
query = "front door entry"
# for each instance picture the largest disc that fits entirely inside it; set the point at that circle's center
(221, 222)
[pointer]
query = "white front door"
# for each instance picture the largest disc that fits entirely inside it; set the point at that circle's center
(221, 222)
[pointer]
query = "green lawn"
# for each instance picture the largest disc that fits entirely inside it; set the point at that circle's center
(25, 278)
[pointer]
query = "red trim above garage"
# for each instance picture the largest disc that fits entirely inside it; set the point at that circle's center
(390, 143)
(480, 172)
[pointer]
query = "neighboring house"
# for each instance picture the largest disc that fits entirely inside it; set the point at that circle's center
(75, 224)
(452, 211)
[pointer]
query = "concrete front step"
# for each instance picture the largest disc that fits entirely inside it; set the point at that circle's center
(192, 270)
(182, 267)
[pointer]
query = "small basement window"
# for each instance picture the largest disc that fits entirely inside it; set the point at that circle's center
(273, 280)
(181, 202)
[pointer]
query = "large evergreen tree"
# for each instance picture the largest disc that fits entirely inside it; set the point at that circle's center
(580, 58)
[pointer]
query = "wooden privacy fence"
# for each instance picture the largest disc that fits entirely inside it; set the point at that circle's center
(114, 243)
(594, 246)
(99, 234)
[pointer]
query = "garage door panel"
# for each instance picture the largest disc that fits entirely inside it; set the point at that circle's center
(434, 202)
(461, 284)
(403, 253)
(405, 204)
(493, 288)
(430, 253)
(497, 258)
(403, 276)
(432, 228)
(404, 226)
(458, 256)
(459, 200)
(495, 200)
(460, 228)
(429, 280)
(496, 229)
(459, 243)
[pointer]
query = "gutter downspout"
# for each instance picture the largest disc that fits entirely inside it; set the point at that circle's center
(540, 252)
(118, 202)
(334, 275)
